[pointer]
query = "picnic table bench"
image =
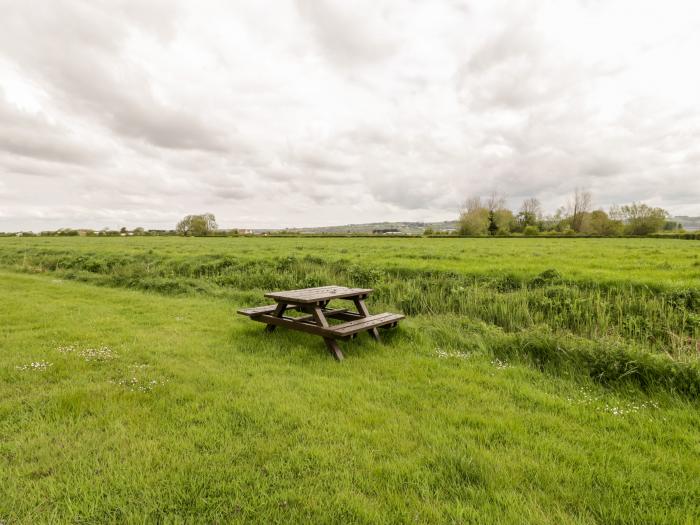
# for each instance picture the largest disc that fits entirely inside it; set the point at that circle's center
(313, 304)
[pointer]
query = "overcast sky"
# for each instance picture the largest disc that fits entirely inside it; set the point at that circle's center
(319, 112)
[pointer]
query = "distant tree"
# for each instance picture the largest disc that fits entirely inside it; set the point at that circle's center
(197, 225)
(490, 216)
(428, 231)
(561, 220)
(505, 221)
(641, 219)
(123, 229)
(600, 223)
(501, 219)
(530, 214)
(493, 227)
(496, 201)
(531, 231)
(474, 217)
(139, 231)
(580, 205)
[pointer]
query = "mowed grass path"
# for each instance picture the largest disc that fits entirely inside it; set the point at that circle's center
(196, 415)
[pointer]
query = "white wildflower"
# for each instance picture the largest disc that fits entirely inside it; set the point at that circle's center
(36, 365)
(103, 353)
(444, 354)
(499, 364)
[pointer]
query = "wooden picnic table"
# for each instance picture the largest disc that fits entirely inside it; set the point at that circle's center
(313, 303)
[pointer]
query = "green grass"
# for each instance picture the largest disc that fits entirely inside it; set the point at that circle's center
(587, 287)
(653, 262)
(194, 414)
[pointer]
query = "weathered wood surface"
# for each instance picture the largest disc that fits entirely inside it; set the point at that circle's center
(334, 313)
(366, 323)
(315, 295)
(258, 310)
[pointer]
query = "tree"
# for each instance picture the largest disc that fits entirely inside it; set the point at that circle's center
(532, 206)
(641, 219)
(197, 225)
(601, 224)
(530, 214)
(495, 202)
(505, 221)
(474, 217)
(493, 227)
(500, 218)
(580, 205)
(492, 216)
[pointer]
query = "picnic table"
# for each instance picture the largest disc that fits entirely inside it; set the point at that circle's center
(313, 304)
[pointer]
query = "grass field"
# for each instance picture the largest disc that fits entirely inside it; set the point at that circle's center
(534, 381)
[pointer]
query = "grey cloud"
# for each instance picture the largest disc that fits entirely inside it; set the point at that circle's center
(33, 136)
(348, 35)
(88, 73)
(330, 109)
(601, 167)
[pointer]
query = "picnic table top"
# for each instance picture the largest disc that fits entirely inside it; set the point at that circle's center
(314, 295)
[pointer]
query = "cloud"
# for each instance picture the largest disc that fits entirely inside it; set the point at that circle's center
(352, 33)
(32, 136)
(291, 113)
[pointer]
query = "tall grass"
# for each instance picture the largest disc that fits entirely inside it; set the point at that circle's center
(661, 321)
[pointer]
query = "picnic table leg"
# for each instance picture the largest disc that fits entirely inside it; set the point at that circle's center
(362, 310)
(279, 312)
(332, 346)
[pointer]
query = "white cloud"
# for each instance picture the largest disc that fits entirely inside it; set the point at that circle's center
(275, 113)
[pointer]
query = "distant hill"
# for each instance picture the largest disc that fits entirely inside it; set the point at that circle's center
(689, 223)
(406, 228)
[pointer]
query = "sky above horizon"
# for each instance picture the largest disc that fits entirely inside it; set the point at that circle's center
(320, 112)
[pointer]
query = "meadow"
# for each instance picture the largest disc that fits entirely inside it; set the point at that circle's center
(533, 381)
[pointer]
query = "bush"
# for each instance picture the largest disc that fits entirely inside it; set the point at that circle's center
(531, 231)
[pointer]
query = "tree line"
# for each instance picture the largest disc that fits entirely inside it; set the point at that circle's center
(490, 216)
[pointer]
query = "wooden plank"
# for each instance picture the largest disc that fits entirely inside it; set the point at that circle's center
(316, 295)
(294, 325)
(258, 310)
(366, 323)
(267, 309)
